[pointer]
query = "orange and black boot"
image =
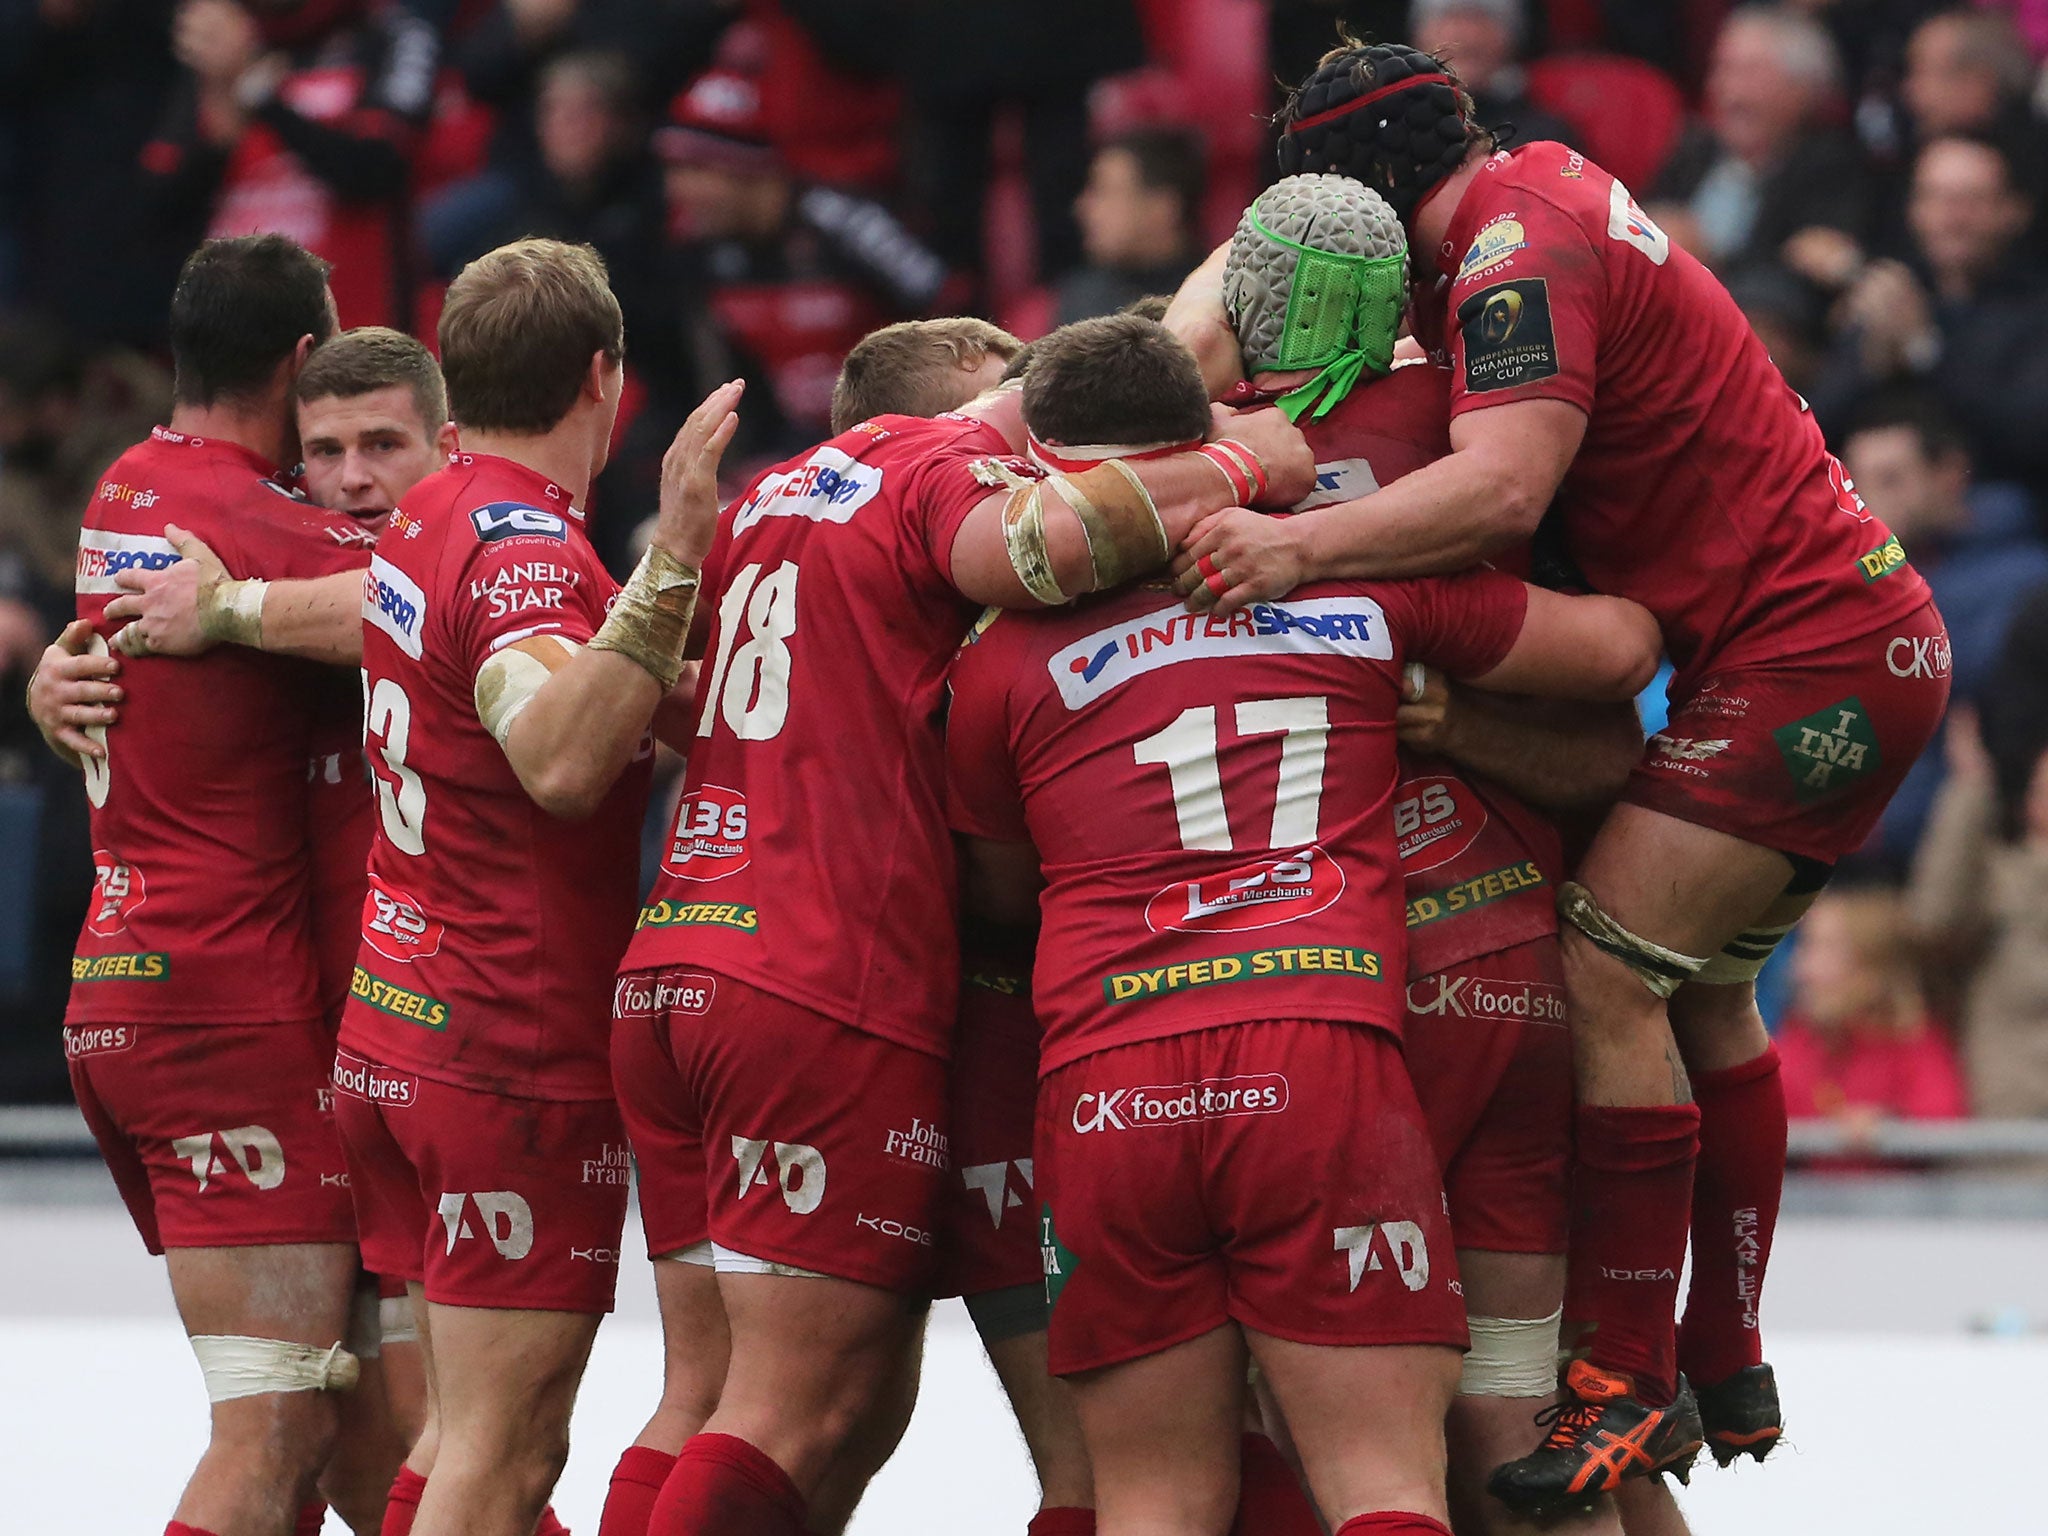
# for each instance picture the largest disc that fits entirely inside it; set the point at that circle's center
(1600, 1433)
(1741, 1415)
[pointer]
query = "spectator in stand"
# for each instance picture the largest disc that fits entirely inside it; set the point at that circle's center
(1483, 41)
(962, 64)
(1980, 899)
(1967, 71)
(299, 119)
(1859, 1046)
(1978, 545)
(1138, 218)
(1966, 315)
(793, 274)
(1769, 160)
(593, 181)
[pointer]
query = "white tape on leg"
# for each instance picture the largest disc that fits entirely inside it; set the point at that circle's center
(1511, 1356)
(236, 1366)
(395, 1320)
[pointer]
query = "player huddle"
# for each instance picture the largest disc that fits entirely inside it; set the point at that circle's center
(1196, 968)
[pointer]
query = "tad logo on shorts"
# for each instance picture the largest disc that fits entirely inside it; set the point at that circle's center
(1829, 750)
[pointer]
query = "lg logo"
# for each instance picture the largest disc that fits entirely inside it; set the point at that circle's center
(1399, 1241)
(250, 1148)
(992, 1181)
(800, 1169)
(506, 1219)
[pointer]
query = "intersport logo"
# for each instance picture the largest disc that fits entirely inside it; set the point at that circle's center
(1134, 1109)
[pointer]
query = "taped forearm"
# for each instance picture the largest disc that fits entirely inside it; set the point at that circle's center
(1556, 755)
(650, 621)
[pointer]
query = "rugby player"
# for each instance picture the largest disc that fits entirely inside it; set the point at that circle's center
(1597, 365)
(914, 368)
(801, 933)
(1228, 1149)
(195, 1030)
(511, 686)
(372, 422)
(1485, 1036)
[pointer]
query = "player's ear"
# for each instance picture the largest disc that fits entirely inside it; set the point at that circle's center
(598, 382)
(447, 439)
(303, 351)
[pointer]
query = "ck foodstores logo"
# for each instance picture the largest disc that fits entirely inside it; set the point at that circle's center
(800, 1171)
(249, 1148)
(993, 1182)
(500, 1215)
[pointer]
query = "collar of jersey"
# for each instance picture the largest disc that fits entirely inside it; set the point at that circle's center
(1464, 222)
(219, 445)
(551, 493)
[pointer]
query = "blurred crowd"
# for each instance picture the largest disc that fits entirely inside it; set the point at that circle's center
(770, 179)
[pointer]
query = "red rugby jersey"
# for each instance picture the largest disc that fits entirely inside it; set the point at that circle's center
(1209, 796)
(1703, 489)
(490, 930)
(810, 855)
(199, 813)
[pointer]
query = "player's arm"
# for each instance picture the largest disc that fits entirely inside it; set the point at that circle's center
(1000, 881)
(1051, 540)
(195, 604)
(1595, 647)
(1558, 754)
(1489, 492)
(1198, 317)
(570, 717)
(72, 689)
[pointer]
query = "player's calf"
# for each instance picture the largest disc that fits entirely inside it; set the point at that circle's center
(267, 1325)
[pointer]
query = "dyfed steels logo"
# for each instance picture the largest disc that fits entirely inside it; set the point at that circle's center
(1261, 895)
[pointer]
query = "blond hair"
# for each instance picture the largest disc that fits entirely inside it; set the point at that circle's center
(915, 368)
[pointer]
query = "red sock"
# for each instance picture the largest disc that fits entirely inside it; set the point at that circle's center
(1270, 1500)
(180, 1528)
(635, 1482)
(1392, 1522)
(550, 1524)
(402, 1504)
(722, 1486)
(1734, 1215)
(1631, 1208)
(1062, 1521)
(311, 1517)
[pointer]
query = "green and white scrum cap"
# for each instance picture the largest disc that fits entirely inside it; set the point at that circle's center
(1317, 277)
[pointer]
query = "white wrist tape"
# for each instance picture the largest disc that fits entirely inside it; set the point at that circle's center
(232, 612)
(1511, 1357)
(649, 621)
(395, 1320)
(236, 1366)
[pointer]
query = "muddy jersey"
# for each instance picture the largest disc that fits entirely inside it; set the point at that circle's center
(1209, 797)
(199, 811)
(1703, 489)
(810, 855)
(490, 929)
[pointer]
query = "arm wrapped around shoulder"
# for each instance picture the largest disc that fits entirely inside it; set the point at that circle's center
(650, 621)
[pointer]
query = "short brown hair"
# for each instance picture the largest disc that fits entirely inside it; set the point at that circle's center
(374, 357)
(519, 328)
(1116, 379)
(914, 368)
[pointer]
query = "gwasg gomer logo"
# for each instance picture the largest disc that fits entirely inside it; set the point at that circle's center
(1261, 895)
(102, 556)
(828, 487)
(710, 838)
(1334, 626)
(394, 603)
(1134, 1109)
